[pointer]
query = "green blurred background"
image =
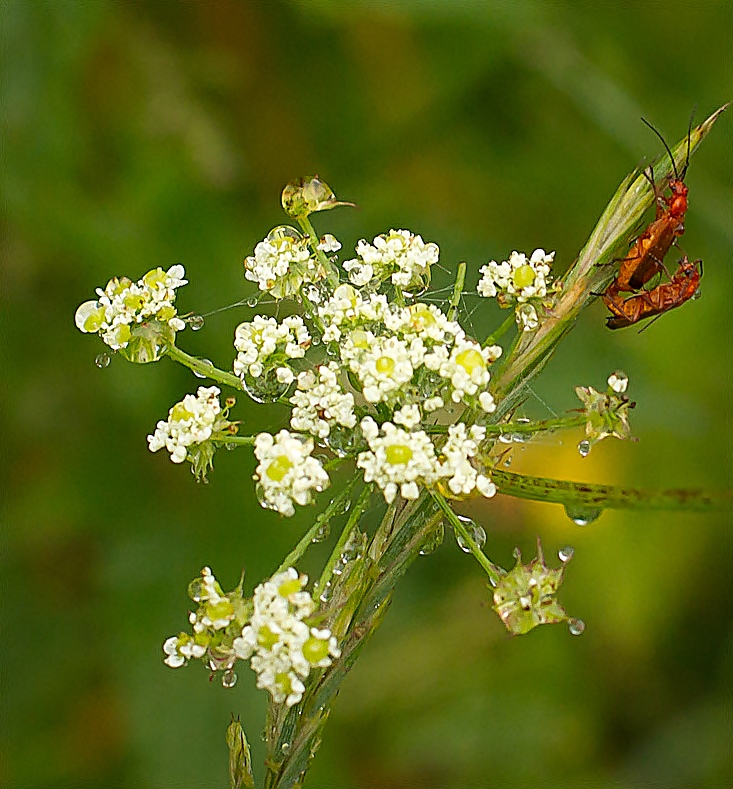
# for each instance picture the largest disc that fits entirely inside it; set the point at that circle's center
(143, 134)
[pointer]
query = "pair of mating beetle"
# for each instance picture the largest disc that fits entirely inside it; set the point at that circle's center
(645, 259)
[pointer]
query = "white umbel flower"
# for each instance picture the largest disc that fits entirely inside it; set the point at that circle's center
(319, 402)
(263, 340)
(123, 304)
(461, 446)
(282, 263)
(397, 460)
(192, 421)
(517, 279)
(286, 473)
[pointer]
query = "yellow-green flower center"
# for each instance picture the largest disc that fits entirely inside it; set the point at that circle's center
(220, 610)
(279, 467)
(420, 316)
(266, 638)
(346, 292)
(314, 650)
(359, 338)
(384, 365)
(179, 413)
(523, 276)
(471, 360)
(398, 454)
(291, 586)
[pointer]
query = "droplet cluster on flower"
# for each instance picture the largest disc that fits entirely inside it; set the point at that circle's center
(123, 304)
(275, 630)
(190, 422)
(521, 282)
(282, 263)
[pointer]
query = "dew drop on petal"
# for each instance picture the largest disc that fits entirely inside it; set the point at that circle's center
(576, 626)
(229, 679)
(566, 554)
(102, 360)
(582, 516)
(584, 448)
(196, 322)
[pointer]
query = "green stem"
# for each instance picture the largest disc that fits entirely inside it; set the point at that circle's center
(582, 494)
(459, 528)
(309, 230)
(501, 331)
(354, 516)
(457, 291)
(333, 509)
(243, 441)
(204, 368)
(523, 428)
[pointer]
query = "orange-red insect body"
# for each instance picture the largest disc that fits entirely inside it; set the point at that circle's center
(645, 259)
(648, 303)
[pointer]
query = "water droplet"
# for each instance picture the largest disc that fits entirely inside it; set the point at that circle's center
(327, 593)
(506, 438)
(566, 554)
(582, 516)
(518, 438)
(433, 539)
(229, 679)
(341, 442)
(523, 420)
(323, 531)
(196, 322)
(230, 447)
(508, 460)
(252, 301)
(266, 388)
(285, 747)
(102, 360)
(315, 340)
(584, 448)
(202, 375)
(576, 626)
(477, 534)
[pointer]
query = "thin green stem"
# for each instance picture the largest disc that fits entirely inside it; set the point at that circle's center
(582, 494)
(509, 321)
(459, 528)
(309, 230)
(333, 509)
(354, 516)
(457, 291)
(242, 441)
(204, 368)
(527, 428)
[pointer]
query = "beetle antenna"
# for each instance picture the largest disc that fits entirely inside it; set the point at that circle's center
(666, 147)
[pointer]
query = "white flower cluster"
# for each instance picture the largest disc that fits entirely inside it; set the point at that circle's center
(282, 263)
(521, 281)
(192, 421)
(319, 403)
(124, 303)
(403, 257)
(403, 461)
(264, 342)
(282, 646)
(216, 611)
(286, 473)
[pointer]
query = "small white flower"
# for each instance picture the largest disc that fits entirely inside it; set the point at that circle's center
(461, 446)
(329, 243)
(191, 421)
(282, 264)
(398, 461)
(263, 342)
(400, 255)
(517, 279)
(382, 367)
(286, 473)
(408, 416)
(319, 404)
(123, 304)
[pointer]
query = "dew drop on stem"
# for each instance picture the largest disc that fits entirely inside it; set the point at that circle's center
(203, 375)
(582, 516)
(576, 626)
(475, 531)
(229, 679)
(566, 554)
(584, 448)
(196, 322)
(102, 360)
(433, 539)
